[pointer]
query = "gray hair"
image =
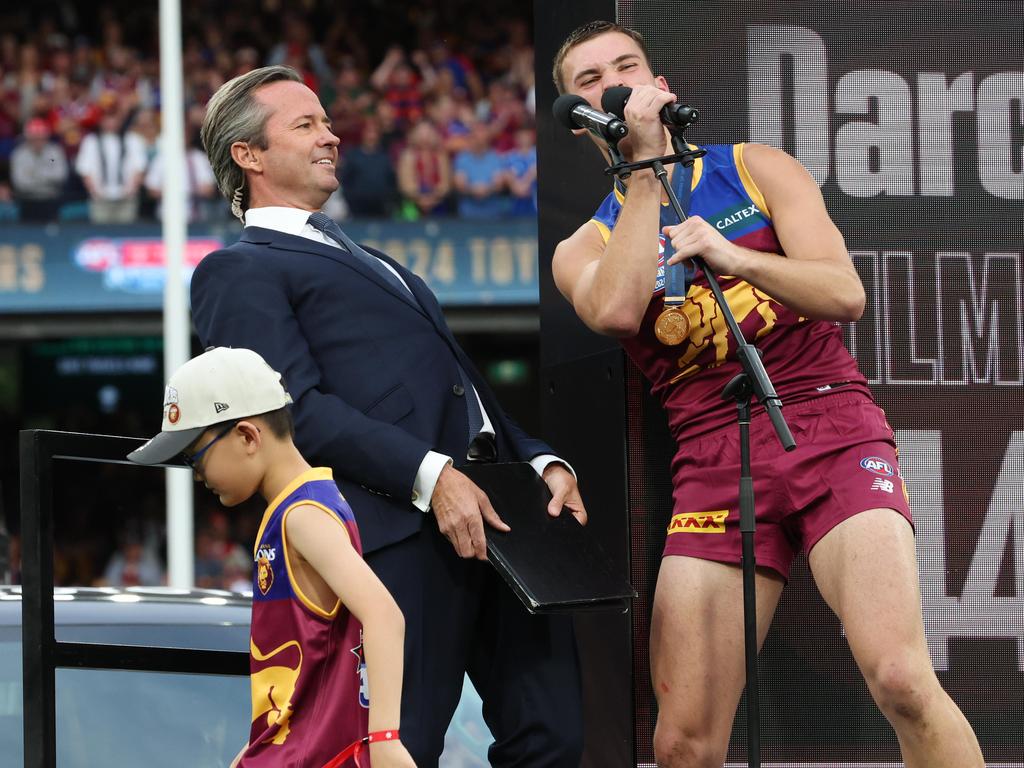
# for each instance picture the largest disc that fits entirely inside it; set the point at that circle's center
(233, 114)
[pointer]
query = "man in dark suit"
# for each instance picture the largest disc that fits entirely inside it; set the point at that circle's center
(385, 396)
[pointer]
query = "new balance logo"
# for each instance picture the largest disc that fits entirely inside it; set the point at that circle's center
(881, 484)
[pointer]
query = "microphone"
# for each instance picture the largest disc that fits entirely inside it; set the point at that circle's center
(573, 111)
(679, 116)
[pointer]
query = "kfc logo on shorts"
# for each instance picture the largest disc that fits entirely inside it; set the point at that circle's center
(878, 466)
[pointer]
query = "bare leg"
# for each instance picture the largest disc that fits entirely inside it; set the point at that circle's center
(697, 656)
(866, 569)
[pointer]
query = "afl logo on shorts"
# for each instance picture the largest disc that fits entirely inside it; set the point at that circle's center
(878, 466)
(173, 414)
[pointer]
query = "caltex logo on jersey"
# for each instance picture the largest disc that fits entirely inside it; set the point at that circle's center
(878, 466)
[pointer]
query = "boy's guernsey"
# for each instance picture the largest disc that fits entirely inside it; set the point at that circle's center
(308, 677)
(804, 358)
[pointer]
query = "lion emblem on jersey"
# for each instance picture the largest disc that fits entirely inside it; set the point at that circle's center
(264, 574)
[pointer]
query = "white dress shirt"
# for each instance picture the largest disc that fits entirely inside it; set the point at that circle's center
(112, 161)
(293, 221)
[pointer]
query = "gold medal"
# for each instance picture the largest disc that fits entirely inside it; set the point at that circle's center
(672, 326)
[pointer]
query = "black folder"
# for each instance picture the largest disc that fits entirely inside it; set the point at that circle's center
(553, 564)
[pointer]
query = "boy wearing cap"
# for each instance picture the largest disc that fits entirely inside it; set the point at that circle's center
(316, 604)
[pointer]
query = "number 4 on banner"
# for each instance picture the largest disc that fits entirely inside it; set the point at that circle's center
(978, 613)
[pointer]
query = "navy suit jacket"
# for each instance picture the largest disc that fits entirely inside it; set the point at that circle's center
(374, 374)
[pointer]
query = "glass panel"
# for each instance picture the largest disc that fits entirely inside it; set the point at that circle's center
(120, 718)
(468, 737)
(157, 720)
(11, 734)
(213, 637)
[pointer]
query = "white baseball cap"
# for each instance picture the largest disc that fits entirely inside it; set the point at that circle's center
(219, 385)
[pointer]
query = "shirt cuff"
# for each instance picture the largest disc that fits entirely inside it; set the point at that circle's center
(426, 479)
(540, 463)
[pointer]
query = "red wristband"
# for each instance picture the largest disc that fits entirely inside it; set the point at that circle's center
(356, 747)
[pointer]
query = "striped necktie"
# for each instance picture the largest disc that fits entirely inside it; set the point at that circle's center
(321, 221)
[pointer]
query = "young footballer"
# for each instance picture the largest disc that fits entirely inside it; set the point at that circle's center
(325, 631)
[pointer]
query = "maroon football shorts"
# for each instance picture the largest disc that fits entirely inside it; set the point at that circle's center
(845, 462)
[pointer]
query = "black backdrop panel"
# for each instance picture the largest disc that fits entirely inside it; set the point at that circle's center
(911, 118)
(585, 416)
(570, 182)
(583, 393)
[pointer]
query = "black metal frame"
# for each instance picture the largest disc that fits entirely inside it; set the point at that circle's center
(42, 654)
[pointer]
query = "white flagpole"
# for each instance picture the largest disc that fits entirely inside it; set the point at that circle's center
(177, 333)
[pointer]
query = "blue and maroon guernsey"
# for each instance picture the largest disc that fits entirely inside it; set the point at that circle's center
(803, 357)
(308, 677)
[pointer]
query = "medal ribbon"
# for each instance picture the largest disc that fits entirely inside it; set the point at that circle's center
(677, 275)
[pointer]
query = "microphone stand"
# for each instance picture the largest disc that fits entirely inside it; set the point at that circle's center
(753, 381)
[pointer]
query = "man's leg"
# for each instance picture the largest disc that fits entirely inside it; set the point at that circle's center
(526, 669)
(438, 594)
(866, 569)
(697, 654)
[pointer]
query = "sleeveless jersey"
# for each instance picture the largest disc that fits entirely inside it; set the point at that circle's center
(308, 677)
(804, 358)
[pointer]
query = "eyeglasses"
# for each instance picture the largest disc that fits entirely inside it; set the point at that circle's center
(194, 460)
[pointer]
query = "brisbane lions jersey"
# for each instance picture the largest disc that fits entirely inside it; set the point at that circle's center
(804, 358)
(308, 677)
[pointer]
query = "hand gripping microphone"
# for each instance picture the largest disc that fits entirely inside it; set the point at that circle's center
(678, 116)
(573, 111)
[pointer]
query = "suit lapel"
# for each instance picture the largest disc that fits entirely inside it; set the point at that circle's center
(286, 242)
(431, 307)
(425, 303)
(429, 302)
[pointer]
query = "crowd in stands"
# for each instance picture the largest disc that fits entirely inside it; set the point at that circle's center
(433, 104)
(131, 554)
